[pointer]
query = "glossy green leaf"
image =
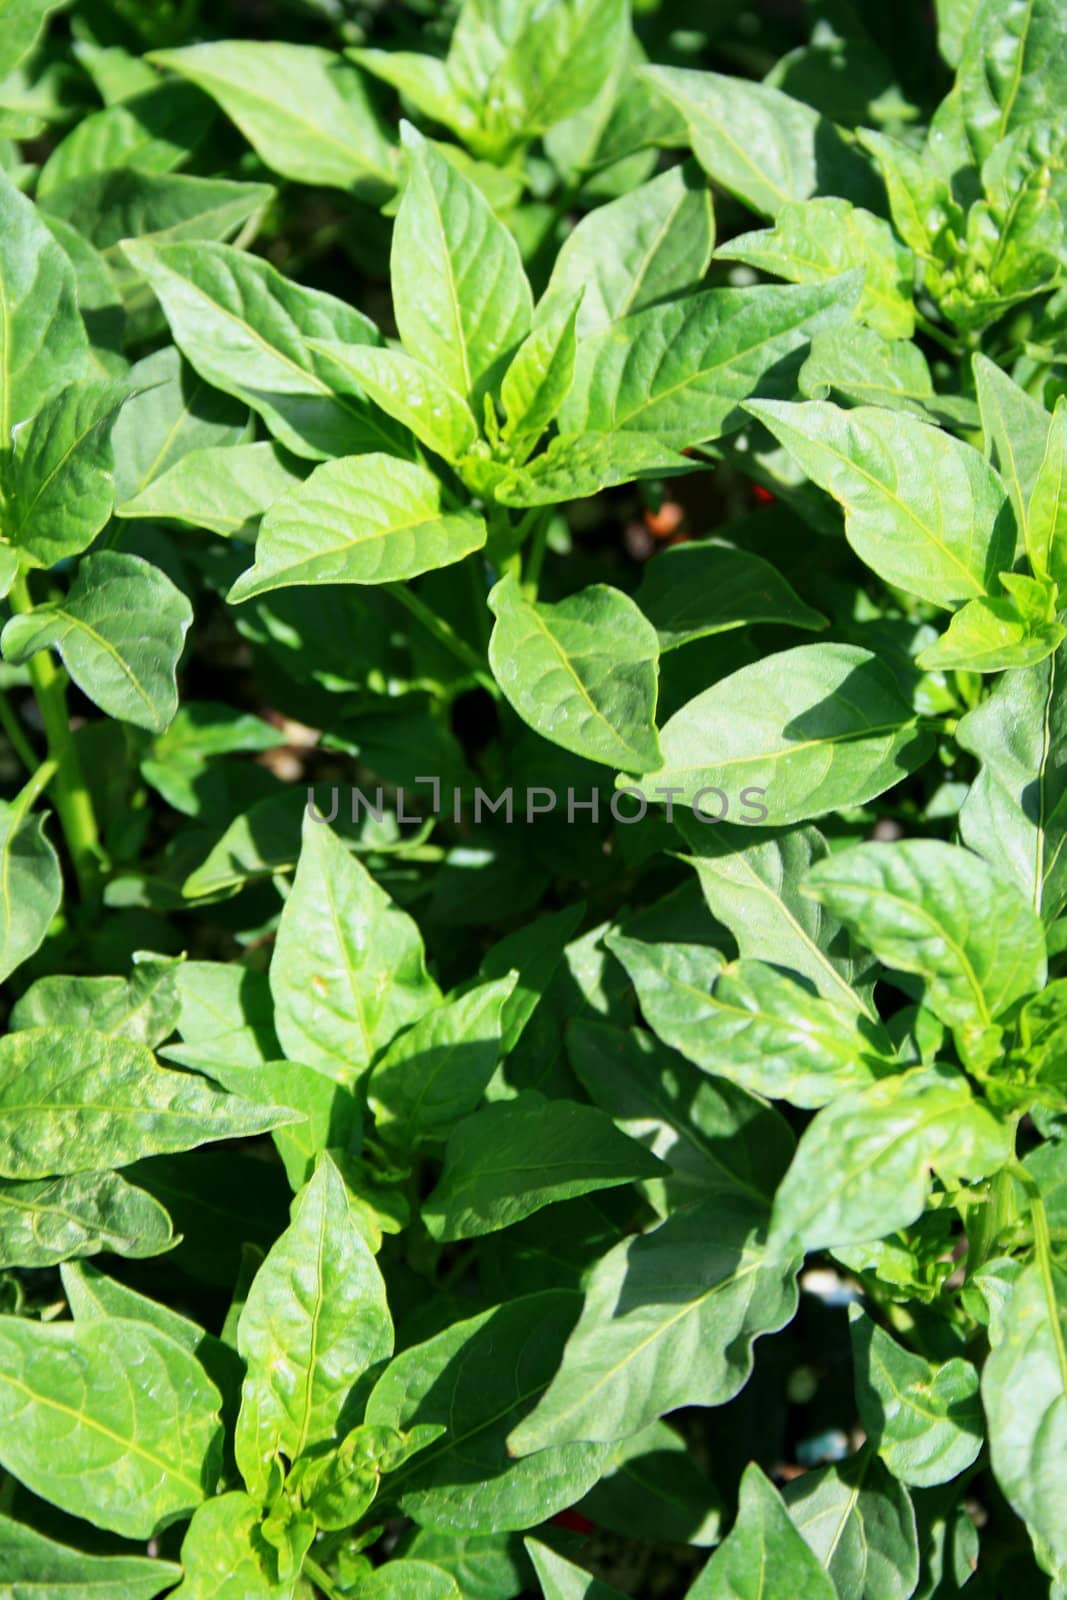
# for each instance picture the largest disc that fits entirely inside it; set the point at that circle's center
(539, 376)
(112, 1421)
(669, 1320)
(364, 519)
(124, 203)
(61, 1218)
(315, 1319)
(1046, 515)
(35, 1565)
(763, 1555)
(224, 1555)
(348, 970)
(119, 632)
(860, 1524)
(1007, 632)
(154, 130)
(23, 21)
(654, 1488)
(226, 488)
(511, 1158)
(693, 591)
(560, 1579)
(582, 672)
(852, 362)
(802, 732)
(935, 910)
(1015, 429)
(925, 1420)
(32, 884)
(925, 511)
(60, 487)
(477, 1378)
(862, 1167)
(1014, 61)
(74, 1100)
(575, 465)
(304, 110)
(171, 412)
(406, 1580)
(408, 390)
(143, 1007)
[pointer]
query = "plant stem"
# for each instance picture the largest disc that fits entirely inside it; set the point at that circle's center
(321, 1579)
(15, 736)
(932, 331)
(531, 573)
(70, 791)
(445, 634)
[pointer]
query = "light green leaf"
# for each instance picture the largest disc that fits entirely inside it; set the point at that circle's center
(805, 731)
(227, 1010)
(143, 1007)
(60, 489)
(74, 1100)
(1012, 631)
(1012, 70)
(406, 1580)
(539, 376)
(813, 240)
(438, 1070)
(364, 519)
(576, 465)
(860, 1524)
(1015, 813)
(924, 1420)
(304, 111)
(36, 1566)
(55, 1220)
(709, 586)
(43, 343)
(582, 673)
(408, 390)
(477, 1378)
(940, 912)
(31, 883)
(562, 1580)
(154, 131)
(424, 82)
(862, 1167)
(1024, 1392)
(750, 1023)
(682, 369)
(123, 203)
(534, 951)
(120, 632)
(758, 143)
(646, 246)
(226, 488)
(1046, 516)
(23, 21)
(925, 511)
(1015, 429)
(225, 1556)
(762, 1547)
(130, 1456)
(669, 1320)
(246, 329)
(852, 362)
(512, 1157)
(315, 1319)
(348, 970)
(460, 296)
(171, 412)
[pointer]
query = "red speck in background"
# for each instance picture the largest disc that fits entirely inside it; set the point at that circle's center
(573, 1521)
(762, 496)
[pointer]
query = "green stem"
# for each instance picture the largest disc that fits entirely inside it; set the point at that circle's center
(321, 1579)
(70, 791)
(932, 331)
(15, 736)
(445, 634)
(1043, 1257)
(531, 572)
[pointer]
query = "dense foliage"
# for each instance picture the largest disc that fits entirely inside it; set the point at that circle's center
(534, 858)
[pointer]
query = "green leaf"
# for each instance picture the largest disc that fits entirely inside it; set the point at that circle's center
(364, 519)
(226, 488)
(227, 1010)
(940, 912)
(143, 1007)
(1012, 69)
(348, 970)
(924, 1420)
(120, 632)
(1024, 1392)
(760, 145)
(765, 1548)
(582, 673)
(644, 247)
(153, 131)
(60, 1218)
(752, 881)
(438, 1070)
(246, 329)
(1046, 516)
(31, 879)
(806, 731)
(477, 1378)
(1012, 631)
(304, 111)
(406, 1580)
(40, 298)
(854, 363)
(123, 203)
(750, 1023)
(1015, 812)
(575, 465)
(681, 370)
(539, 376)
(713, 1136)
(408, 390)
(129, 1456)
(74, 1100)
(315, 1319)
(925, 511)
(669, 1320)
(512, 1157)
(813, 240)
(862, 1167)
(861, 1526)
(653, 1488)
(1015, 430)
(225, 1556)
(693, 591)
(60, 489)
(460, 296)
(23, 21)
(171, 412)
(35, 1565)
(562, 1580)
